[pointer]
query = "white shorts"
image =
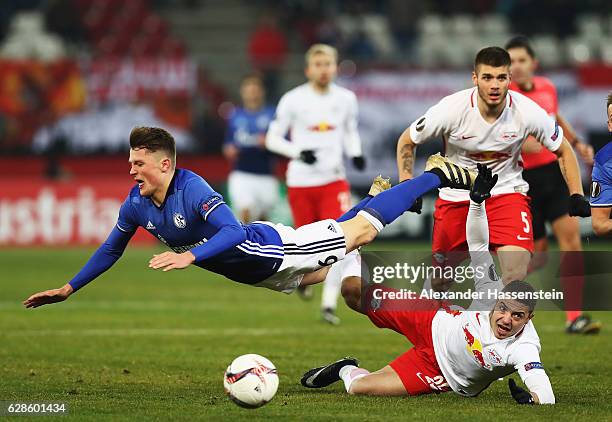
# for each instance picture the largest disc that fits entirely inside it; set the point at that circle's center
(306, 249)
(257, 193)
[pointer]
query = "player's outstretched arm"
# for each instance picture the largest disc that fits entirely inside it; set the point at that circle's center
(230, 233)
(100, 261)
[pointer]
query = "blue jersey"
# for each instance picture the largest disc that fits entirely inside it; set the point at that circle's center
(193, 217)
(245, 129)
(601, 187)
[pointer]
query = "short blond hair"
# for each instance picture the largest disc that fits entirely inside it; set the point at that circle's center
(321, 49)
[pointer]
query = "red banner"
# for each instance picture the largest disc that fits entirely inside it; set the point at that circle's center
(39, 212)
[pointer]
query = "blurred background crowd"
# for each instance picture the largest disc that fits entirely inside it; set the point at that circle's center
(70, 67)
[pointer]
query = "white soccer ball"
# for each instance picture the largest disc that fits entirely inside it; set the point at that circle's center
(251, 381)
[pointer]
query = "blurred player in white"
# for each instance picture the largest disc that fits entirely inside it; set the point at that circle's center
(321, 120)
(253, 189)
(487, 124)
(453, 349)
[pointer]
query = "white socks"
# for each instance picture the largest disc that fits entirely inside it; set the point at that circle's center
(331, 287)
(350, 373)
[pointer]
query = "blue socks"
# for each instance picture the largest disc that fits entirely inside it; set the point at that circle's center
(353, 211)
(390, 204)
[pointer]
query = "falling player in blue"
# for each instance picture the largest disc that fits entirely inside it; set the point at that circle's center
(601, 188)
(184, 212)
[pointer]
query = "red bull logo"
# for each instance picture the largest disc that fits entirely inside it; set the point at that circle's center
(475, 347)
(489, 155)
(322, 127)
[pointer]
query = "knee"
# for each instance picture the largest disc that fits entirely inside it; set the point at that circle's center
(351, 292)
(516, 273)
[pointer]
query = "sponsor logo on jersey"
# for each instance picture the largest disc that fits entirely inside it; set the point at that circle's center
(322, 127)
(595, 189)
(179, 220)
(489, 155)
(509, 135)
(533, 365)
(475, 347)
(467, 136)
(150, 226)
(332, 228)
(210, 202)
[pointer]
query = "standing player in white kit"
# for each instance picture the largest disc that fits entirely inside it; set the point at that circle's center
(321, 119)
(488, 124)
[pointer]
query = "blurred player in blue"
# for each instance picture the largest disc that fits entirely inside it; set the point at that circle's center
(179, 208)
(601, 189)
(253, 189)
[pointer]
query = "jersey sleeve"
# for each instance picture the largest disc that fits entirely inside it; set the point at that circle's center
(202, 198)
(543, 127)
(127, 222)
(526, 360)
(275, 137)
(352, 141)
(435, 123)
(601, 186)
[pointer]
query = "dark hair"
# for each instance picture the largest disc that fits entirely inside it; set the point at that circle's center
(521, 41)
(522, 287)
(153, 139)
(492, 56)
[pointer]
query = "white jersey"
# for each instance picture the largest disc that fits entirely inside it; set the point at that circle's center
(325, 123)
(469, 139)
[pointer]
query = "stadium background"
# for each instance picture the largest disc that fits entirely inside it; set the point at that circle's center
(77, 75)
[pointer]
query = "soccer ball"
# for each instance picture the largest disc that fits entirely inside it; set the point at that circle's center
(250, 381)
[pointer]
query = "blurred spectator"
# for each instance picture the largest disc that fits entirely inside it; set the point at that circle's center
(268, 52)
(28, 39)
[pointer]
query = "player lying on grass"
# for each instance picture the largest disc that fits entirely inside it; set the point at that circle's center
(179, 208)
(463, 351)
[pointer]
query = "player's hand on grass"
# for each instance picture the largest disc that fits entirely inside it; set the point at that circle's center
(579, 206)
(519, 394)
(359, 162)
(48, 296)
(308, 156)
(171, 261)
(483, 184)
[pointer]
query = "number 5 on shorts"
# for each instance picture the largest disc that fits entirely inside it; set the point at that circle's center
(525, 219)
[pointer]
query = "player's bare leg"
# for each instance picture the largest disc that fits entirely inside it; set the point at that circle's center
(567, 232)
(514, 262)
(351, 292)
(384, 382)
(540, 256)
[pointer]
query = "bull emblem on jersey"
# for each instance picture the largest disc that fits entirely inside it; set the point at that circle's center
(322, 127)
(475, 347)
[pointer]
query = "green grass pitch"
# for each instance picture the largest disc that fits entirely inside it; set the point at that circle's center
(141, 344)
